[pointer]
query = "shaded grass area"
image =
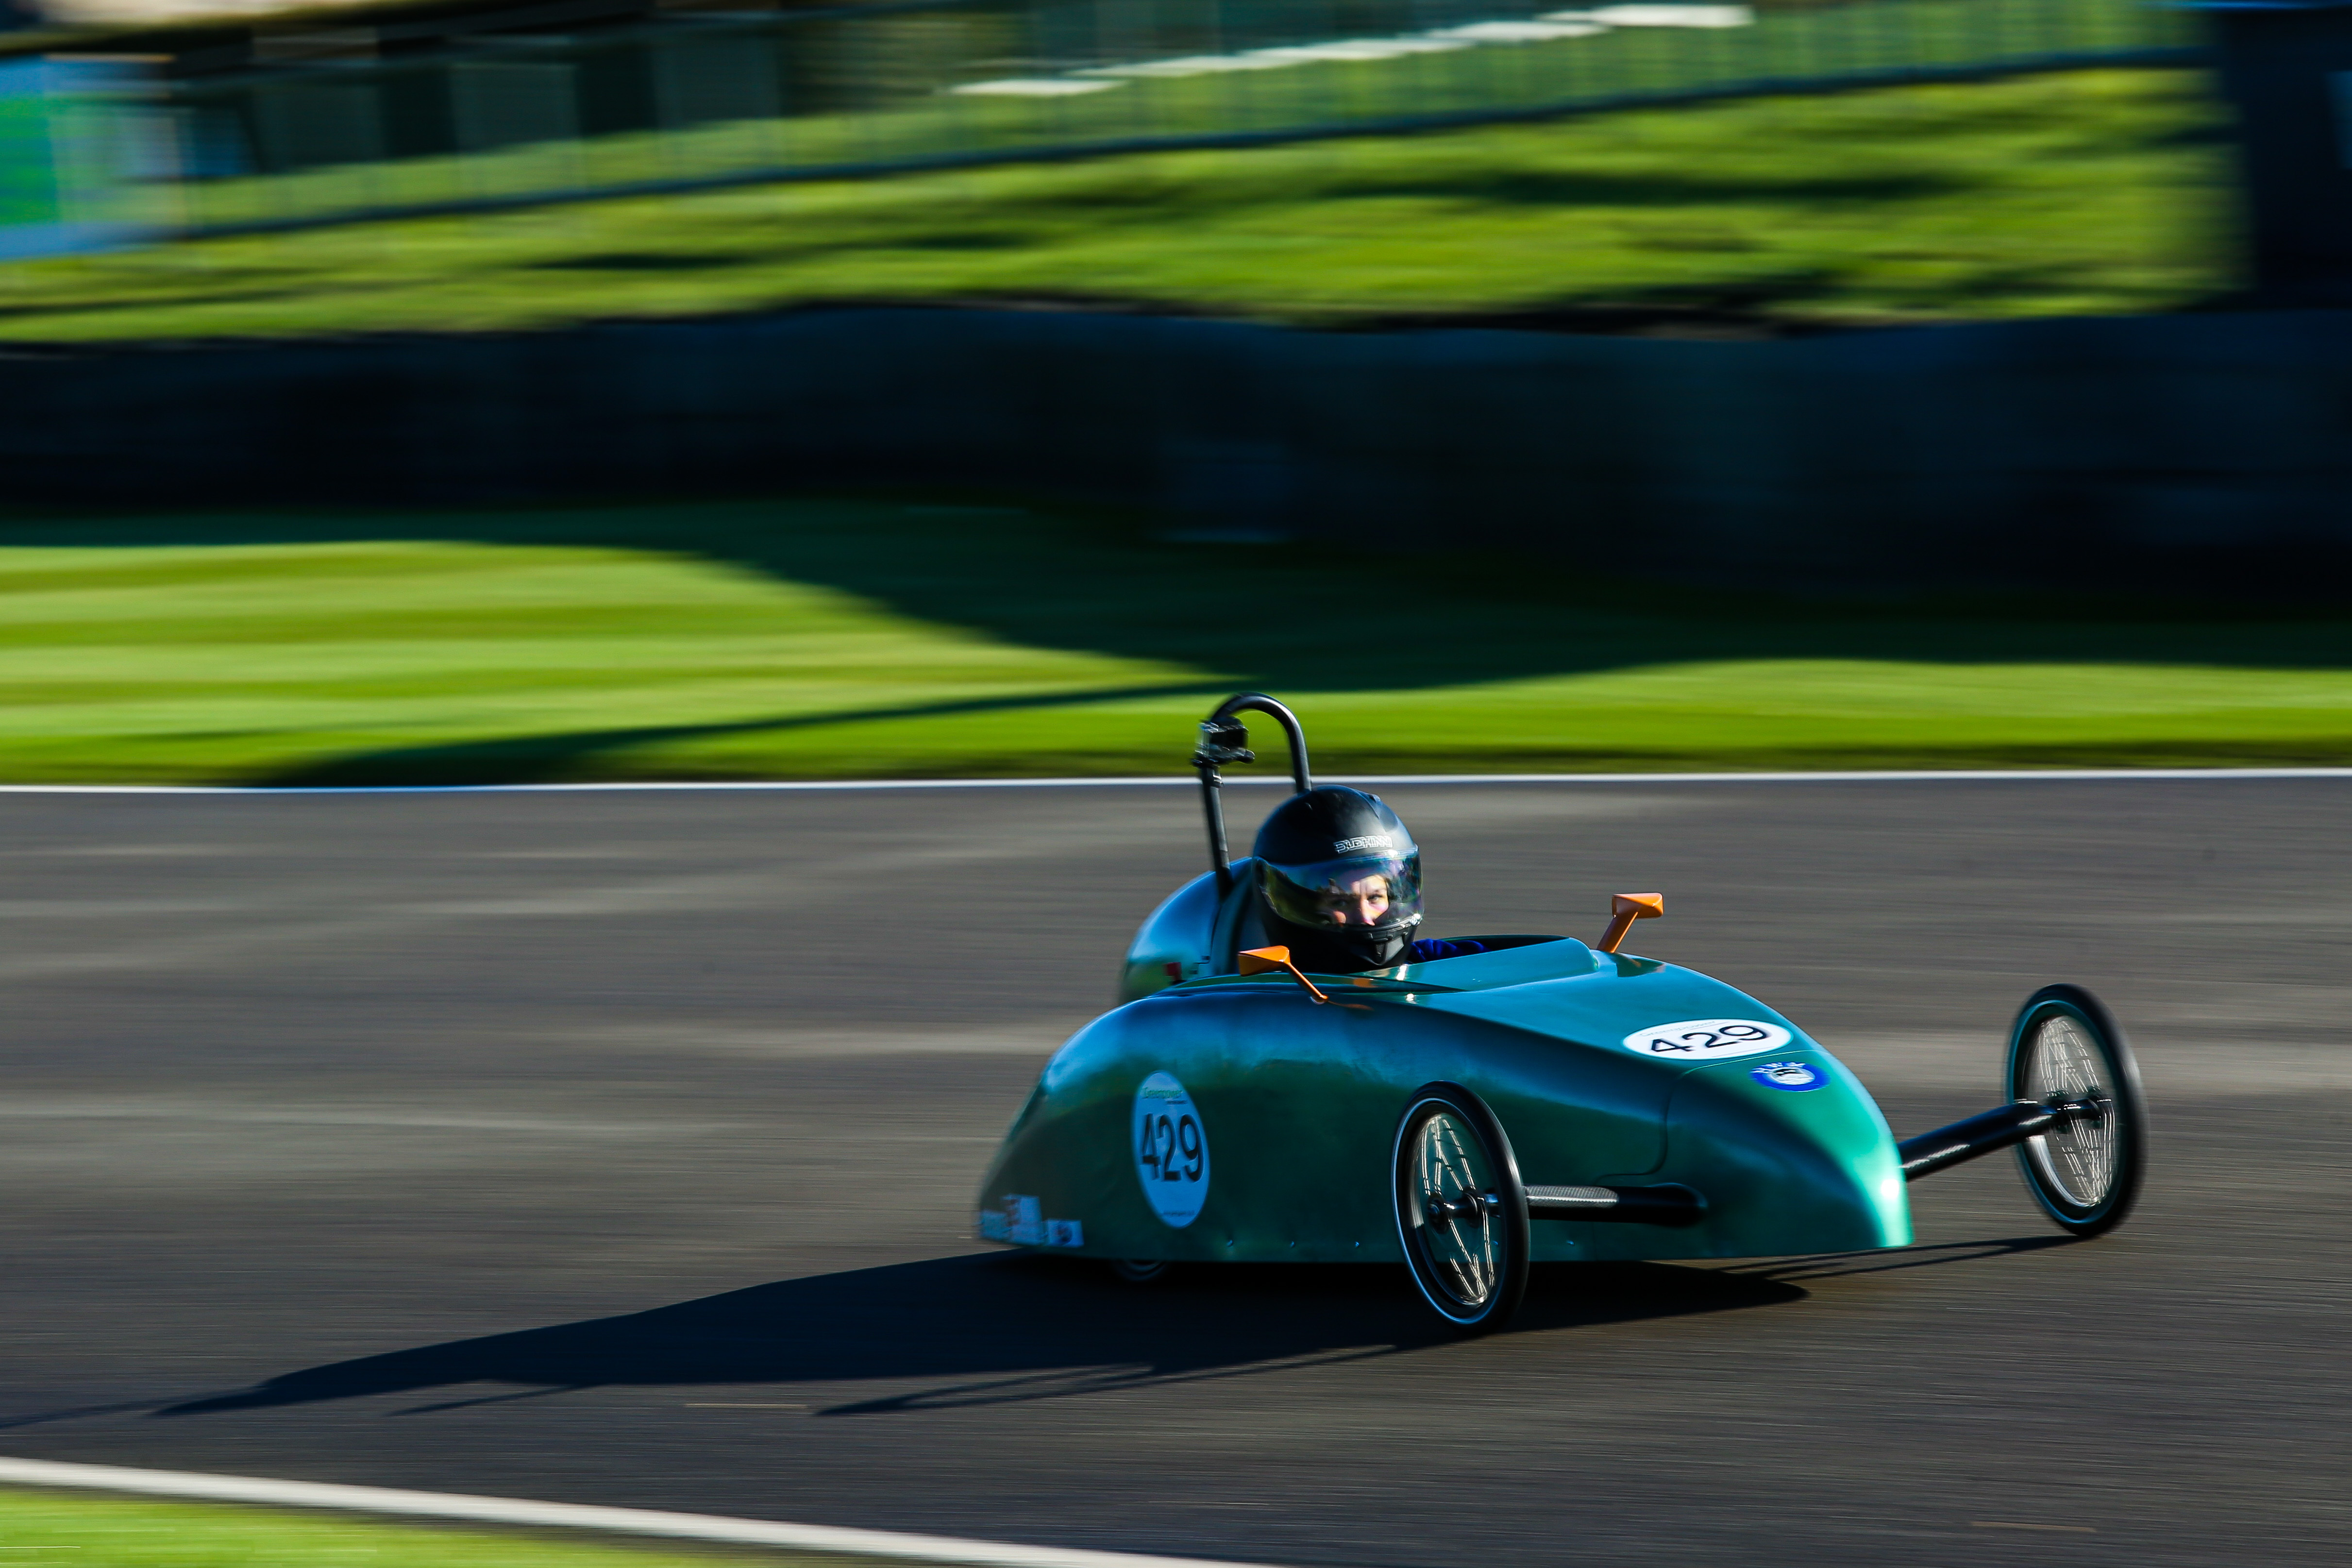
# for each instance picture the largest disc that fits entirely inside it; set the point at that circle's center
(111, 1532)
(2084, 193)
(850, 639)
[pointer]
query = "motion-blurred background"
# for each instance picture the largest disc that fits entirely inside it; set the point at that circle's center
(1764, 185)
(499, 389)
(483, 391)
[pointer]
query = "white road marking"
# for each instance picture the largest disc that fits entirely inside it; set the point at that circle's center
(573, 1515)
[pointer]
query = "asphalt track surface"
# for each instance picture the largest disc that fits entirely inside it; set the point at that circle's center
(620, 1148)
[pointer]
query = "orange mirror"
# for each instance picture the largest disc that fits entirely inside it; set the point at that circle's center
(1623, 910)
(1268, 960)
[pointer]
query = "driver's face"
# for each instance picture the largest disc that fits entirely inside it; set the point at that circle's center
(1364, 902)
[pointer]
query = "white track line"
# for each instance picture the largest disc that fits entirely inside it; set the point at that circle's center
(574, 1516)
(1892, 775)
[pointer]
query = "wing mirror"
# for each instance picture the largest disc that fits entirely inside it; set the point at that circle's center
(1268, 960)
(1623, 910)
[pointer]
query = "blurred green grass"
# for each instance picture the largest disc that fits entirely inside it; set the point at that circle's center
(2082, 193)
(901, 113)
(865, 638)
(110, 1532)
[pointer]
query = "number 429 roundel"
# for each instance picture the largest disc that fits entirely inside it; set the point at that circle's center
(1707, 1039)
(1171, 1150)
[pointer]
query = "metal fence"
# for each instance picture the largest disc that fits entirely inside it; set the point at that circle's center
(336, 129)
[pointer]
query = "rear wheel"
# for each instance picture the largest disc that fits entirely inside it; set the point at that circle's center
(2086, 1169)
(1461, 1211)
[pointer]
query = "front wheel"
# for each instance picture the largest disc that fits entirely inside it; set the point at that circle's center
(1461, 1211)
(2086, 1169)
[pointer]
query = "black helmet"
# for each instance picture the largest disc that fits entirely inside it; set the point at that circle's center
(1340, 878)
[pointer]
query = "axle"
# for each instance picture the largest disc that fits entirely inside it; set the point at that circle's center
(1672, 1203)
(1997, 1129)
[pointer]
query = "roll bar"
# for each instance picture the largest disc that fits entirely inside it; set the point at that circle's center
(1224, 739)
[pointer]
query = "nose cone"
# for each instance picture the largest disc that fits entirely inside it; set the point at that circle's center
(1792, 1152)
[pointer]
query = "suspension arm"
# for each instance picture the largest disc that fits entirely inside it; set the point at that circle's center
(1997, 1129)
(1669, 1203)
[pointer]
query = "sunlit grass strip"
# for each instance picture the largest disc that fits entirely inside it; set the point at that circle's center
(846, 640)
(92, 1533)
(469, 1513)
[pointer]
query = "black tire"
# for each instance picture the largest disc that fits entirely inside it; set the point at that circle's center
(1472, 1269)
(2085, 1172)
(1140, 1271)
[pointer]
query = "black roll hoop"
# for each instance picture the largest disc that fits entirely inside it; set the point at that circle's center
(1224, 739)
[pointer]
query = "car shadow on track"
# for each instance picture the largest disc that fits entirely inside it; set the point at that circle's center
(1889, 1260)
(995, 1329)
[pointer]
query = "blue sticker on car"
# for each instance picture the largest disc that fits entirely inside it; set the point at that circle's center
(1794, 1077)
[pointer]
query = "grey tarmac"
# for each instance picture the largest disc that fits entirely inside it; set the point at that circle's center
(620, 1148)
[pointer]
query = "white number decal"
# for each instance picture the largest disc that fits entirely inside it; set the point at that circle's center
(1171, 1151)
(1706, 1039)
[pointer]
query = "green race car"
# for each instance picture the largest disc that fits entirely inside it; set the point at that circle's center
(1545, 1099)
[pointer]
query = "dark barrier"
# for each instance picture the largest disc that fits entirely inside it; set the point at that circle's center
(2286, 67)
(2199, 450)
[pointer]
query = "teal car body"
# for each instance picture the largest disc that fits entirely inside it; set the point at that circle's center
(1606, 1069)
(1535, 1101)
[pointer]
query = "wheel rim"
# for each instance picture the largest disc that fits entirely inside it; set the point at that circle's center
(2077, 1158)
(1465, 1255)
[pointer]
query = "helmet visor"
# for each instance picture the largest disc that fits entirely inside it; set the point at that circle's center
(1357, 892)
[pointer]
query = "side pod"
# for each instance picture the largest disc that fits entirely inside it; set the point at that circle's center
(1667, 1203)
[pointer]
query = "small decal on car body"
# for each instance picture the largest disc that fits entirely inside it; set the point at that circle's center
(1171, 1150)
(1794, 1077)
(1020, 1220)
(1706, 1039)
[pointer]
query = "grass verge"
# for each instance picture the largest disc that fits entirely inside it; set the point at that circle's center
(2096, 192)
(815, 639)
(59, 1531)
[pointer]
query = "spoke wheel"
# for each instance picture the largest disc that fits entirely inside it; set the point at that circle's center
(2086, 1169)
(1461, 1211)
